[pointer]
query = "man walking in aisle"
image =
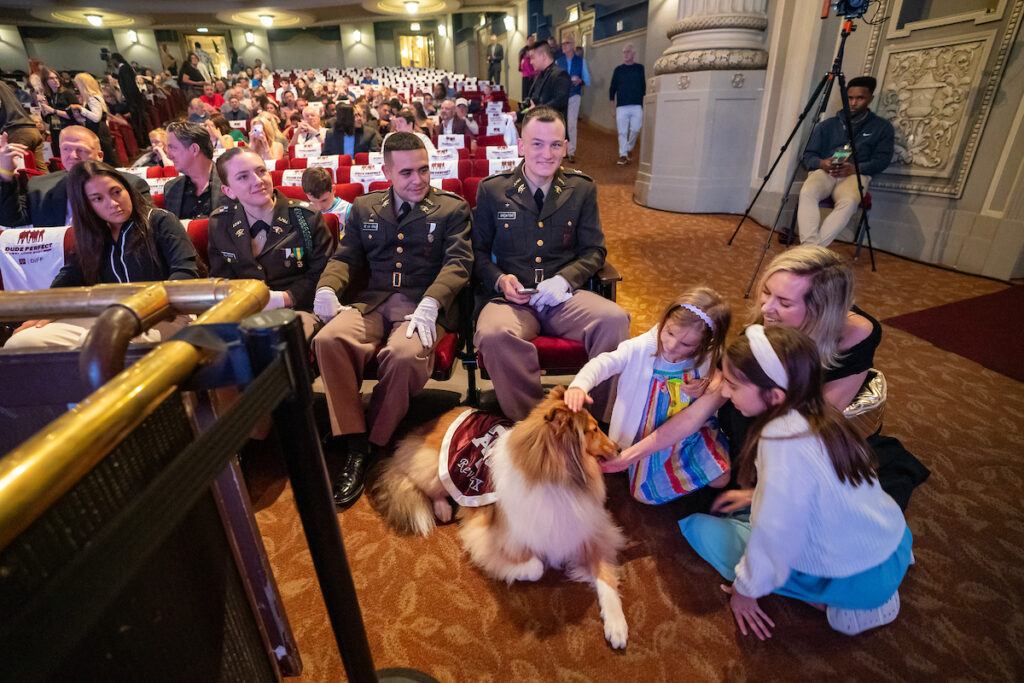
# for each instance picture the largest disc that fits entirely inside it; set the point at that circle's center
(579, 75)
(627, 91)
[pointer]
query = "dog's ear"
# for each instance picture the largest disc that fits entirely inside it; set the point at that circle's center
(557, 394)
(558, 415)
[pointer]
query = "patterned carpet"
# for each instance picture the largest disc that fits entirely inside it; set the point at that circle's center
(426, 607)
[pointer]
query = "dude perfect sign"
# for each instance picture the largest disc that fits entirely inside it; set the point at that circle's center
(31, 257)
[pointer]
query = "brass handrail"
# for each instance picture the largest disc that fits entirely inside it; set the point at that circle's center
(42, 469)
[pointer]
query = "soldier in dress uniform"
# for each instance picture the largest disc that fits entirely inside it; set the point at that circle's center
(263, 235)
(541, 224)
(412, 243)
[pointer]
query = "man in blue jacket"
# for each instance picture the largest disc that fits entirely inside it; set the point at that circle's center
(579, 75)
(832, 172)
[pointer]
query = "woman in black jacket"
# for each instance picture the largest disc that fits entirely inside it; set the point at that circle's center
(119, 238)
(349, 135)
(55, 106)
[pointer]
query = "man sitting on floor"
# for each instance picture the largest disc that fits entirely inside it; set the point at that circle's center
(413, 240)
(537, 239)
(832, 172)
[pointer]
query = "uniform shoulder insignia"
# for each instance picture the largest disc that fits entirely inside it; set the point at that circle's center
(499, 174)
(300, 203)
(223, 208)
(577, 172)
(446, 193)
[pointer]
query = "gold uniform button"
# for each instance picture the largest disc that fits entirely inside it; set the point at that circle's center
(540, 243)
(398, 264)
(537, 259)
(401, 235)
(506, 226)
(540, 224)
(570, 224)
(400, 250)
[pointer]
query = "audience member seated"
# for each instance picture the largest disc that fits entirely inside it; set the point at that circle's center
(196, 191)
(318, 185)
(211, 97)
(263, 235)
(449, 122)
(462, 112)
(233, 109)
(156, 155)
(808, 288)
(832, 171)
(265, 137)
(17, 123)
(197, 111)
(222, 135)
(537, 239)
(349, 135)
(45, 203)
(405, 122)
(307, 131)
(413, 242)
(119, 237)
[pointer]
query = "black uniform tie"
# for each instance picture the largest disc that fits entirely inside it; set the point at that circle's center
(404, 211)
(258, 227)
(538, 197)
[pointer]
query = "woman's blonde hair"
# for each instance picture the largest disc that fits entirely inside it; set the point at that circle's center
(711, 304)
(828, 300)
(87, 84)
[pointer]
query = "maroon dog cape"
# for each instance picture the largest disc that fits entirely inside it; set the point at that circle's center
(462, 463)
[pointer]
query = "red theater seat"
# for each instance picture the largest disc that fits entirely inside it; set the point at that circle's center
(199, 232)
(469, 188)
(379, 185)
(297, 163)
(158, 201)
(292, 192)
(277, 176)
(348, 191)
(169, 172)
(155, 172)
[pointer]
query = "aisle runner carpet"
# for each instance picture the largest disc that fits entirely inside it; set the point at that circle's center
(986, 329)
(425, 606)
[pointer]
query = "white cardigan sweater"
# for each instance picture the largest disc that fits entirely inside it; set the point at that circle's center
(633, 362)
(803, 518)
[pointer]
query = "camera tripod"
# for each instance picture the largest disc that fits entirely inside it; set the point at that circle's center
(824, 91)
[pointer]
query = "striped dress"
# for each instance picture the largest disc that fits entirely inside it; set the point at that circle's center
(686, 466)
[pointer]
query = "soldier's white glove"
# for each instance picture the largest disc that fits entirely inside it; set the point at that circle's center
(277, 300)
(326, 304)
(551, 292)
(423, 321)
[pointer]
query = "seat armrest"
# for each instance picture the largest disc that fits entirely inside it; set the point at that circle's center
(608, 274)
(605, 281)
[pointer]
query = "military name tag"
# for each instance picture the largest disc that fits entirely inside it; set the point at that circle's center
(370, 226)
(228, 256)
(506, 215)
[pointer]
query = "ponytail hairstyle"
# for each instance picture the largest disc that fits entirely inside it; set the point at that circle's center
(850, 456)
(92, 233)
(718, 312)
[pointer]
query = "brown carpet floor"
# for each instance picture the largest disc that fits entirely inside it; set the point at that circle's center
(426, 607)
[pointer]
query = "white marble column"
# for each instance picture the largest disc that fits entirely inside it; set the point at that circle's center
(701, 109)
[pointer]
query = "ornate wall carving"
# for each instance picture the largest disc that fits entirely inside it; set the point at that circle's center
(938, 94)
(710, 60)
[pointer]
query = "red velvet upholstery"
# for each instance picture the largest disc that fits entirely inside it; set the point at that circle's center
(469, 188)
(557, 355)
(344, 175)
(158, 201)
(362, 158)
(292, 192)
(277, 176)
(348, 191)
(490, 141)
(170, 172)
(297, 163)
(281, 164)
(199, 232)
(445, 353)
(379, 185)
(155, 172)
(452, 185)
(333, 225)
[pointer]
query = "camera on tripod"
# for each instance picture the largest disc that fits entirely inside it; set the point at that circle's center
(851, 9)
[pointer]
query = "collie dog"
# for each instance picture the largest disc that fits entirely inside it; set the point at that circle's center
(548, 493)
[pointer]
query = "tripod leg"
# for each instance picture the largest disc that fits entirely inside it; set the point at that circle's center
(871, 248)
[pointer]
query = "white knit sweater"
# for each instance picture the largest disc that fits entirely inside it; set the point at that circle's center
(803, 518)
(633, 362)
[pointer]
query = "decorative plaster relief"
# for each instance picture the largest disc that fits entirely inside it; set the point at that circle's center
(752, 22)
(710, 60)
(683, 82)
(738, 80)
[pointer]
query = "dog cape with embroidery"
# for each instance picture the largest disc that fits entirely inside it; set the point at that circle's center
(546, 505)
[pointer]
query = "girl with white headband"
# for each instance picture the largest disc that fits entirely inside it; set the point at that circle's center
(820, 528)
(660, 373)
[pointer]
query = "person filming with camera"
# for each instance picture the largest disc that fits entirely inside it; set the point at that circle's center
(832, 171)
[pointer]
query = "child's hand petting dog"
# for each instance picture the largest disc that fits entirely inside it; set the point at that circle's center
(695, 388)
(575, 398)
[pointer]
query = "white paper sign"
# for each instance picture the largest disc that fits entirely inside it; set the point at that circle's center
(330, 161)
(366, 175)
(444, 169)
(307, 151)
(293, 176)
(139, 171)
(241, 124)
(376, 159)
(448, 154)
(451, 141)
(31, 257)
(494, 108)
(156, 185)
(501, 165)
(496, 127)
(502, 152)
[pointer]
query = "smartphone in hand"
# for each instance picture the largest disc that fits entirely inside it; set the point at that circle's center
(528, 290)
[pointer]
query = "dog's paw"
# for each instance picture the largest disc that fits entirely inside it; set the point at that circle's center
(443, 510)
(531, 570)
(616, 630)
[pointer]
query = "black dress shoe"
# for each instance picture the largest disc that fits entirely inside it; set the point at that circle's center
(349, 484)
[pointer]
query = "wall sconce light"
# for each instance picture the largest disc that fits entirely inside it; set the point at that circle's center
(267, 20)
(133, 36)
(510, 23)
(414, 26)
(483, 19)
(203, 29)
(442, 30)
(249, 37)
(94, 19)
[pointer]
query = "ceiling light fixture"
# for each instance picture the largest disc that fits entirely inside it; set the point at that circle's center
(412, 6)
(202, 29)
(357, 36)
(94, 19)
(267, 20)
(414, 26)
(133, 36)
(249, 37)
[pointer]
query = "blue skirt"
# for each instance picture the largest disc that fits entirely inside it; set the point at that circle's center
(721, 541)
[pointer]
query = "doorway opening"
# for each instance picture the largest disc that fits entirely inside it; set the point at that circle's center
(416, 50)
